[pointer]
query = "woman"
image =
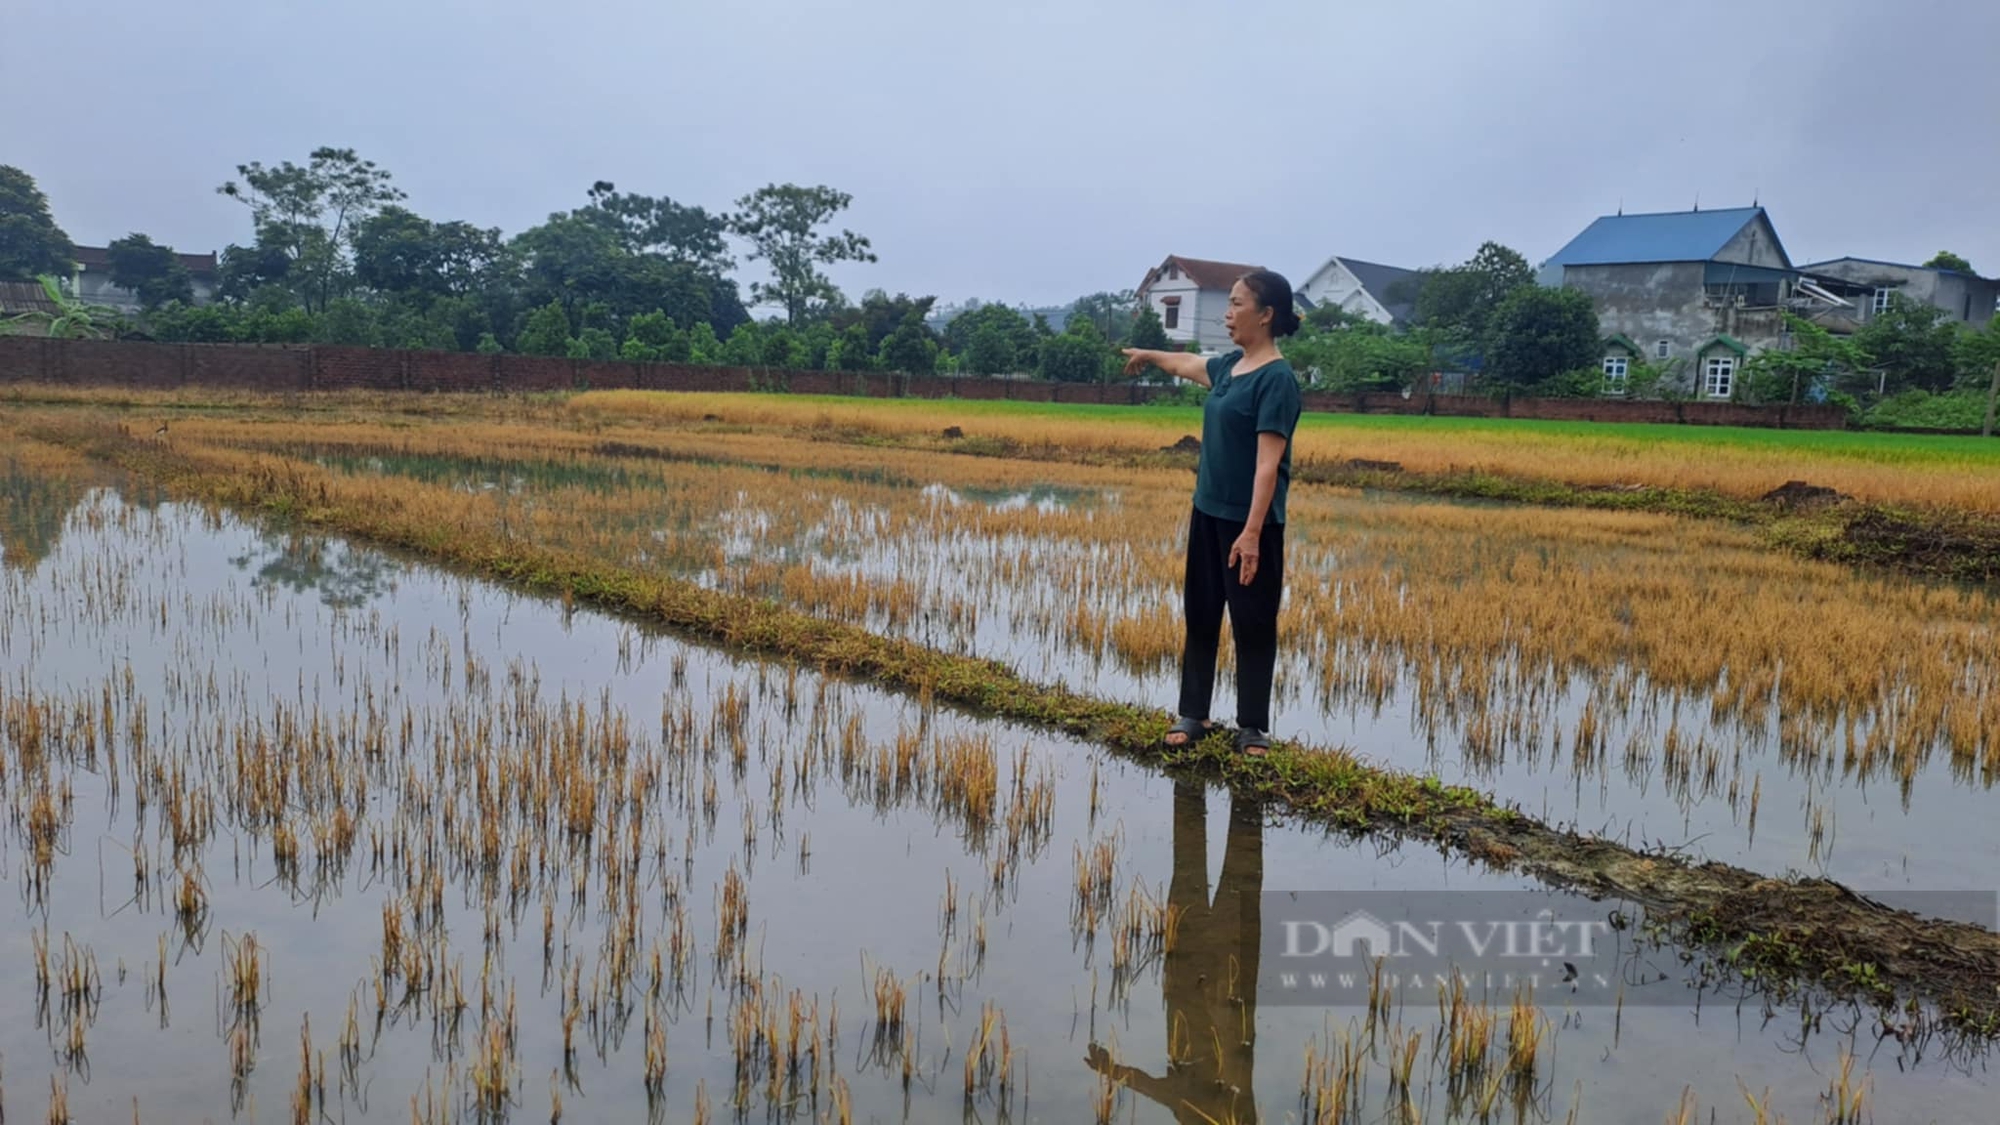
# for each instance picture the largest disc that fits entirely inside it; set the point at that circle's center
(1236, 532)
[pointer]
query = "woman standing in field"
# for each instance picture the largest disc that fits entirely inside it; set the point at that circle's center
(1236, 531)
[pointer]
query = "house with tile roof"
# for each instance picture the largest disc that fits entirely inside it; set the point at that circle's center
(1190, 295)
(1386, 295)
(1695, 291)
(92, 280)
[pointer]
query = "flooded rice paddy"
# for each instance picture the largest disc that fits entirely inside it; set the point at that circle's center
(302, 831)
(1664, 682)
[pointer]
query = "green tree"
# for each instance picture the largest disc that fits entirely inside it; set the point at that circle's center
(1358, 355)
(1148, 332)
(1538, 333)
(152, 271)
(880, 314)
(399, 252)
(911, 347)
(704, 346)
(1816, 357)
(307, 214)
(1019, 336)
(1914, 343)
(1112, 313)
(745, 347)
(1946, 260)
(350, 322)
(782, 223)
(1979, 355)
(850, 351)
(489, 344)
(990, 351)
(594, 342)
(785, 349)
(1460, 302)
(577, 258)
(31, 244)
(654, 332)
(1073, 357)
(659, 227)
(546, 333)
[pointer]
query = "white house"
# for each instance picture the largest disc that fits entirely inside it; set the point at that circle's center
(1190, 295)
(1386, 295)
(91, 283)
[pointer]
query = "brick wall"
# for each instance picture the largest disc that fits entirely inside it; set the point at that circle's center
(281, 368)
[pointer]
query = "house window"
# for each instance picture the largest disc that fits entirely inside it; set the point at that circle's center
(1718, 377)
(1615, 368)
(1661, 349)
(1170, 315)
(1882, 300)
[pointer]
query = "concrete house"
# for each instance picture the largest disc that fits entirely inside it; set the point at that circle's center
(1190, 295)
(1697, 291)
(1867, 286)
(91, 283)
(1386, 295)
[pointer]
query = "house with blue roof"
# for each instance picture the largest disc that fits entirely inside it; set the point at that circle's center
(1694, 291)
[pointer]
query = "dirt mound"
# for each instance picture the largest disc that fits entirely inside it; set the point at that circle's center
(953, 433)
(1363, 465)
(1799, 494)
(1188, 444)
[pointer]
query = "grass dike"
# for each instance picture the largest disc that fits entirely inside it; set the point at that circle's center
(1782, 931)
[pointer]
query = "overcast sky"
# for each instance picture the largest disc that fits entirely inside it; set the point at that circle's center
(1029, 151)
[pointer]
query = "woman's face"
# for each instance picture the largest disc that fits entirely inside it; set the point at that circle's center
(1247, 322)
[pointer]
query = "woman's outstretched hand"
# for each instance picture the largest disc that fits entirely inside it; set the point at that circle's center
(1136, 360)
(1245, 549)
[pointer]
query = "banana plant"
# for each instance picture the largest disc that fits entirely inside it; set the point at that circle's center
(74, 320)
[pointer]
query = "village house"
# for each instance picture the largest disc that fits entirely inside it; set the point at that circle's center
(1694, 291)
(91, 281)
(1386, 295)
(1190, 295)
(1868, 286)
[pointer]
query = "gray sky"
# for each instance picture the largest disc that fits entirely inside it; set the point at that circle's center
(1035, 150)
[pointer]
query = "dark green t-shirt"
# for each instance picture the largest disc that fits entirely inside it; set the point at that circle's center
(1239, 408)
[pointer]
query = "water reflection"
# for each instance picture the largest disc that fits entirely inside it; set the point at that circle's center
(1209, 976)
(342, 576)
(33, 512)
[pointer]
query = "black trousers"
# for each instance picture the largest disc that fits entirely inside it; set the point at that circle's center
(1211, 586)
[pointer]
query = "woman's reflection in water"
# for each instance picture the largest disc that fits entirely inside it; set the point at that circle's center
(1210, 977)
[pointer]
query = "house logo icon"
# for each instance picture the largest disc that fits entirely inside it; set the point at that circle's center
(1362, 930)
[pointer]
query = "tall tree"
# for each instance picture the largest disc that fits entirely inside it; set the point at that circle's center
(1946, 260)
(782, 223)
(1460, 302)
(1148, 332)
(661, 227)
(879, 315)
(1112, 313)
(912, 347)
(307, 213)
(31, 244)
(1914, 343)
(152, 271)
(1538, 333)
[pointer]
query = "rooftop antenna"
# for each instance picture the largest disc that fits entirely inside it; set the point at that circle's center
(1621, 205)
(1756, 195)
(1697, 201)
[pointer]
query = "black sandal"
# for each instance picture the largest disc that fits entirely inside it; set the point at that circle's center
(1192, 730)
(1252, 743)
